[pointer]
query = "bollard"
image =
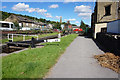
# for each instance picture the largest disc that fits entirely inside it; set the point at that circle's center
(33, 42)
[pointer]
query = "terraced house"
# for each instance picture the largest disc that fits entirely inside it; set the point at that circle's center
(106, 17)
(25, 22)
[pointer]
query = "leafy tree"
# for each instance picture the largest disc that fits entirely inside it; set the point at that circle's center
(83, 25)
(74, 25)
(57, 26)
(17, 25)
(52, 22)
(5, 15)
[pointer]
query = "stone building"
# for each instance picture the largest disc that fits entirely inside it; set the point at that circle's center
(67, 26)
(106, 17)
(25, 22)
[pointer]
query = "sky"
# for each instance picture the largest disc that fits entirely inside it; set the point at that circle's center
(72, 11)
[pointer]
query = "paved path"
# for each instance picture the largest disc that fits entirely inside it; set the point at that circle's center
(78, 62)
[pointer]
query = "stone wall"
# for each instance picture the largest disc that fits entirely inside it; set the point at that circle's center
(101, 17)
(30, 25)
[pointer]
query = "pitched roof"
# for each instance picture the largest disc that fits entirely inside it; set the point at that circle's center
(24, 19)
(20, 18)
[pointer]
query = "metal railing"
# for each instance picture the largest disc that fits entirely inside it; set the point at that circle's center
(12, 39)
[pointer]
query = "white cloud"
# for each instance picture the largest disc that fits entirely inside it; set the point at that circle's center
(72, 0)
(20, 7)
(77, 22)
(57, 17)
(69, 19)
(25, 7)
(66, 1)
(30, 9)
(54, 6)
(48, 15)
(41, 10)
(82, 9)
(4, 7)
(85, 15)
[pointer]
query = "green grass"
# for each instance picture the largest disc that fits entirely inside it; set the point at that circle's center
(34, 63)
(20, 38)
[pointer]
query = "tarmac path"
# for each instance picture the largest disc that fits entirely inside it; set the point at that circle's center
(78, 62)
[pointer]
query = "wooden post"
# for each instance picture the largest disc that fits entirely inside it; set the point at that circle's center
(12, 37)
(23, 37)
(8, 36)
(37, 37)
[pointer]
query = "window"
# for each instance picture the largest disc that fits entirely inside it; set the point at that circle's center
(27, 24)
(119, 9)
(108, 10)
(20, 24)
(32, 25)
(103, 30)
(6, 25)
(12, 25)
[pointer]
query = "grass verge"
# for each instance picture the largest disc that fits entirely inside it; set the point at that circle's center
(20, 38)
(34, 63)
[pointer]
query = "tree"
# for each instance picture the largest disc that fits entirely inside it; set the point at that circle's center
(5, 15)
(57, 26)
(17, 25)
(74, 25)
(83, 25)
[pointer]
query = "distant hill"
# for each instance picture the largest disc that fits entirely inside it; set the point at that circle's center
(6, 15)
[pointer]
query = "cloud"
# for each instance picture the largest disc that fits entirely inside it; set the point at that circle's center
(30, 9)
(66, 1)
(69, 19)
(25, 7)
(20, 7)
(82, 9)
(57, 17)
(85, 15)
(4, 7)
(54, 6)
(77, 22)
(41, 10)
(47, 15)
(72, 1)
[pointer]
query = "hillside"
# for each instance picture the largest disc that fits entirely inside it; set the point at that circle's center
(6, 15)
